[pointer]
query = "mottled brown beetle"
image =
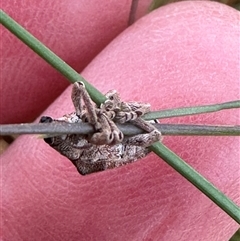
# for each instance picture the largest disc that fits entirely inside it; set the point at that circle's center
(107, 147)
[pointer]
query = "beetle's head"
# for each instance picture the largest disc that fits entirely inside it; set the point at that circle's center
(47, 119)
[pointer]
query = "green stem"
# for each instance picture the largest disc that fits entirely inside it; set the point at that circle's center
(128, 129)
(236, 236)
(197, 180)
(49, 56)
(191, 110)
(133, 11)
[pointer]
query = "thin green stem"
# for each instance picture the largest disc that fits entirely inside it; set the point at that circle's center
(197, 180)
(191, 110)
(132, 13)
(236, 6)
(236, 236)
(127, 129)
(156, 4)
(49, 56)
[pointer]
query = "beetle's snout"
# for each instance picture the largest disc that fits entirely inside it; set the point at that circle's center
(46, 119)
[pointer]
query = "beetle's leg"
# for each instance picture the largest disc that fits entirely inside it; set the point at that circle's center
(106, 131)
(79, 93)
(109, 132)
(122, 112)
(147, 139)
(131, 111)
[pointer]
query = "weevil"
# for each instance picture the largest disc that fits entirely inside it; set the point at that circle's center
(107, 147)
